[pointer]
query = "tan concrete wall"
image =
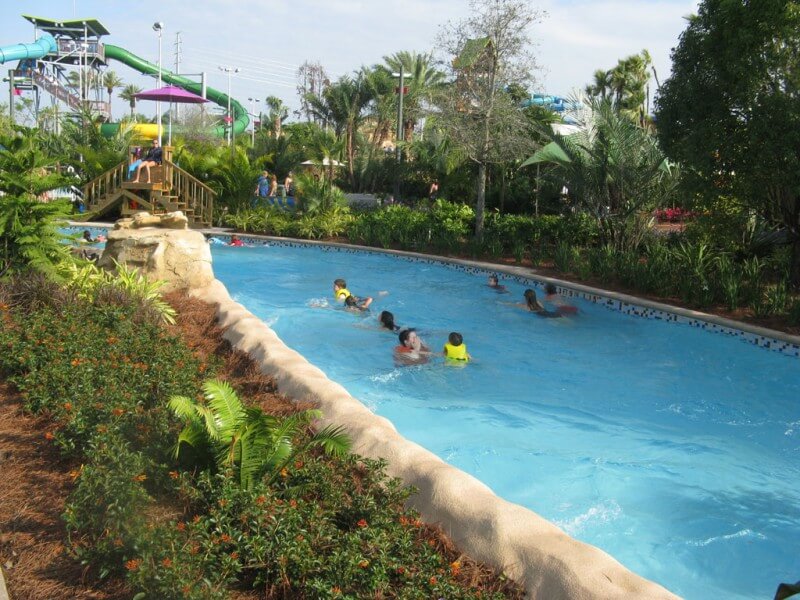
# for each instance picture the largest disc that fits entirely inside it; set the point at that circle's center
(550, 564)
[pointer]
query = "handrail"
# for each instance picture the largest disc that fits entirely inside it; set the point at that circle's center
(197, 195)
(105, 183)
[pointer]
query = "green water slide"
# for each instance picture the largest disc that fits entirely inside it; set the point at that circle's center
(240, 117)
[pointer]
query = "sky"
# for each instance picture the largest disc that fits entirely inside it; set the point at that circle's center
(269, 40)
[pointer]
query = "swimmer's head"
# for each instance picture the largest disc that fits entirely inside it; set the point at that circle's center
(386, 320)
(455, 338)
(407, 336)
(549, 289)
(530, 298)
(339, 284)
(493, 280)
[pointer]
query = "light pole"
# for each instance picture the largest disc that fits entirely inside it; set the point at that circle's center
(399, 136)
(230, 71)
(253, 114)
(158, 27)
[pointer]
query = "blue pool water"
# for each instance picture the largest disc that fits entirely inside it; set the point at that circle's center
(673, 449)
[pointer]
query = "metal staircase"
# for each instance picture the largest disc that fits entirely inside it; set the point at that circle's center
(56, 89)
(170, 189)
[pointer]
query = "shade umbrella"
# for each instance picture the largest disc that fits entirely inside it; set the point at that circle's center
(170, 93)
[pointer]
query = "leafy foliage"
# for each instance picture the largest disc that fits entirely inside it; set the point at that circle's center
(246, 440)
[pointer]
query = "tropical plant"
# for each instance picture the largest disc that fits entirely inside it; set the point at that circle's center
(128, 93)
(278, 112)
(111, 81)
(614, 170)
(226, 434)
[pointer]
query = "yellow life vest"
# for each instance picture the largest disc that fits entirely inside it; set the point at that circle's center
(342, 294)
(456, 352)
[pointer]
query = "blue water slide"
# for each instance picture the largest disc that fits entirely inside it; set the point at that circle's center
(41, 47)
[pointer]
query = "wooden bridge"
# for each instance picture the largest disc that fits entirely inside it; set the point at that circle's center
(170, 189)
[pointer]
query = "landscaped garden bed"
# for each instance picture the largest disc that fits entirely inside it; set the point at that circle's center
(89, 378)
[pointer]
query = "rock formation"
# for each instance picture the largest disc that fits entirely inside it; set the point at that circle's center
(161, 247)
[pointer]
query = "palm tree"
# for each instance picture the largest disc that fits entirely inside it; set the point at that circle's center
(111, 81)
(601, 85)
(129, 94)
(223, 432)
(278, 112)
(422, 80)
(342, 105)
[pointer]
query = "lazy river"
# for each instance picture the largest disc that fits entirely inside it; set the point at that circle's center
(671, 448)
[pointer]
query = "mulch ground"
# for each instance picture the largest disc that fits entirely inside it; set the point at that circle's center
(35, 482)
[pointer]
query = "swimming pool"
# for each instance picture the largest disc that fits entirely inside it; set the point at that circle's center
(673, 449)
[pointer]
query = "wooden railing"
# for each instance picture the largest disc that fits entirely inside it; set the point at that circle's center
(102, 186)
(196, 194)
(177, 183)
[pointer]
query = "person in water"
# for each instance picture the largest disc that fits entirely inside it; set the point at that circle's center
(455, 348)
(235, 241)
(497, 287)
(552, 296)
(386, 319)
(355, 304)
(411, 350)
(341, 293)
(532, 304)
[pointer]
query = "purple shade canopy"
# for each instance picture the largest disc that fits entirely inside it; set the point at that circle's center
(171, 93)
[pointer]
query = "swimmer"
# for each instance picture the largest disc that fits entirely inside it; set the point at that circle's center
(553, 297)
(341, 293)
(235, 241)
(386, 319)
(87, 237)
(356, 304)
(455, 349)
(493, 283)
(411, 350)
(534, 306)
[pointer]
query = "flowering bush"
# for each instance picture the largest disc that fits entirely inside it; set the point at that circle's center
(674, 215)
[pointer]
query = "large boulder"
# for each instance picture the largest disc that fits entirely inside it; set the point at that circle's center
(160, 248)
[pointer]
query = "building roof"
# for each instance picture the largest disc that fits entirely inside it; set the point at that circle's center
(74, 28)
(471, 53)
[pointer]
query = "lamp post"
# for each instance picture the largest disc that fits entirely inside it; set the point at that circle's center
(158, 27)
(253, 114)
(230, 71)
(399, 136)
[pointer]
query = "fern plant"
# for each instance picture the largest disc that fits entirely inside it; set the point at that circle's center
(222, 431)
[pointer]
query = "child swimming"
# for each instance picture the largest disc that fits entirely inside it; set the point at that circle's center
(455, 349)
(553, 297)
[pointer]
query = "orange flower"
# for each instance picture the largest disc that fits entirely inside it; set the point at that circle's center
(67, 406)
(261, 500)
(166, 563)
(362, 523)
(226, 538)
(118, 412)
(181, 526)
(400, 570)
(299, 537)
(74, 474)
(363, 564)
(75, 362)
(196, 519)
(293, 503)
(187, 589)
(101, 429)
(298, 464)
(403, 520)
(234, 555)
(336, 589)
(110, 340)
(49, 436)
(432, 581)
(455, 568)
(174, 474)
(284, 473)
(140, 477)
(133, 564)
(223, 503)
